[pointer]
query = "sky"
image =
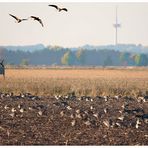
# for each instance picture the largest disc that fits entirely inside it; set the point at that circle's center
(84, 23)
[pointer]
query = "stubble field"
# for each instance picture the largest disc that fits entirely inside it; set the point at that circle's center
(81, 81)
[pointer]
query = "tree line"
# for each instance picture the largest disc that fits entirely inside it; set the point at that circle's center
(80, 57)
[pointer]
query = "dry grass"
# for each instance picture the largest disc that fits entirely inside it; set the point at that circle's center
(81, 81)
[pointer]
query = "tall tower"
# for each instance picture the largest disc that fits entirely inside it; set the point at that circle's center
(116, 26)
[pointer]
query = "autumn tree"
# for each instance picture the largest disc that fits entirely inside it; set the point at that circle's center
(68, 58)
(80, 56)
(141, 60)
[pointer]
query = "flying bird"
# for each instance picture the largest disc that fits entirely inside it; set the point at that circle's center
(18, 20)
(59, 9)
(37, 19)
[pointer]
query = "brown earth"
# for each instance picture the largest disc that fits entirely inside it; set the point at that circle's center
(72, 120)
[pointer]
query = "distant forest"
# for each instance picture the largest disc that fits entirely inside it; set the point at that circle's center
(82, 56)
(55, 55)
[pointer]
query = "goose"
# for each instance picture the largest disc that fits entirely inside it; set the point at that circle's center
(59, 9)
(12, 114)
(13, 110)
(138, 123)
(6, 107)
(62, 113)
(69, 108)
(73, 122)
(87, 123)
(21, 110)
(18, 20)
(40, 113)
(106, 123)
(37, 19)
(105, 110)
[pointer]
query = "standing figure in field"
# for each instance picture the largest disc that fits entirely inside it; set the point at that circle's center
(2, 68)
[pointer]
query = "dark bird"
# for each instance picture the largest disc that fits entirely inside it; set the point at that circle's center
(1, 63)
(59, 9)
(18, 20)
(37, 19)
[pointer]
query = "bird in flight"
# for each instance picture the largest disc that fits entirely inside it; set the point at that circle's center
(18, 20)
(59, 9)
(37, 19)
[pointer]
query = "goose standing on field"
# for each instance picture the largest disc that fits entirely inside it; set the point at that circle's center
(18, 20)
(59, 9)
(37, 19)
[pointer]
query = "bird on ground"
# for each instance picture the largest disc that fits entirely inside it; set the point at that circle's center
(59, 9)
(18, 20)
(73, 123)
(37, 19)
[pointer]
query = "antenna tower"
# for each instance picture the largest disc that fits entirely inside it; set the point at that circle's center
(116, 26)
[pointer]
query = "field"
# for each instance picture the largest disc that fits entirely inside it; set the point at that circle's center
(82, 81)
(74, 106)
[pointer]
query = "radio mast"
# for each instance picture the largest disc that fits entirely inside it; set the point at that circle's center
(116, 26)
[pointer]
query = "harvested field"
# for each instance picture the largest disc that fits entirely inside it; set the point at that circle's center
(82, 81)
(74, 107)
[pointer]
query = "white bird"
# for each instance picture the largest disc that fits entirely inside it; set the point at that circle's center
(56, 97)
(78, 116)
(95, 115)
(40, 113)
(73, 123)
(91, 100)
(69, 108)
(21, 110)
(106, 123)
(116, 97)
(6, 107)
(20, 106)
(118, 124)
(12, 114)
(72, 116)
(13, 110)
(91, 107)
(105, 98)
(62, 113)
(77, 111)
(121, 118)
(105, 110)
(137, 123)
(87, 123)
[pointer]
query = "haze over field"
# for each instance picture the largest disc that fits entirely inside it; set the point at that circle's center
(84, 23)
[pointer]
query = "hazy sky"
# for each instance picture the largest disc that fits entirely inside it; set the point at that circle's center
(84, 23)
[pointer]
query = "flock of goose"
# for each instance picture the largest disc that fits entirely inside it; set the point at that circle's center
(65, 113)
(18, 20)
(94, 115)
(90, 111)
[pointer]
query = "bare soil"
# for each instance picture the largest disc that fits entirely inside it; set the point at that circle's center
(72, 120)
